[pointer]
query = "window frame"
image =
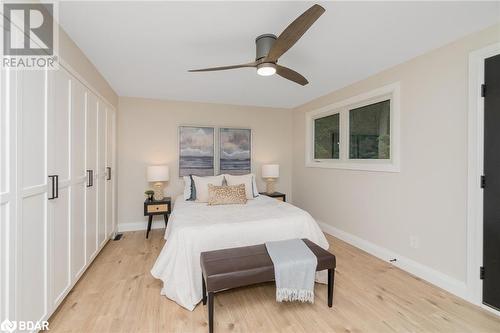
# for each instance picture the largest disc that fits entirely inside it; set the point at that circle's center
(389, 92)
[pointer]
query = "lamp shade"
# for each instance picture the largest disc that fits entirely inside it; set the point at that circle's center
(270, 171)
(157, 173)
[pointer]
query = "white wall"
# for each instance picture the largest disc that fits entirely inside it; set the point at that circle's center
(427, 199)
(148, 131)
(74, 56)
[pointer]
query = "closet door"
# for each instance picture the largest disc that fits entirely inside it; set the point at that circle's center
(110, 180)
(91, 166)
(101, 174)
(33, 191)
(59, 169)
(7, 194)
(78, 179)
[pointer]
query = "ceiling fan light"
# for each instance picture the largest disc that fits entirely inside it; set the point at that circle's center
(266, 69)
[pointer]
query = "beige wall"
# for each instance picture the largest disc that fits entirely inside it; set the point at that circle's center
(79, 62)
(427, 199)
(147, 134)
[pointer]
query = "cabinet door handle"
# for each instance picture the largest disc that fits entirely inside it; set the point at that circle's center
(90, 178)
(109, 173)
(55, 187)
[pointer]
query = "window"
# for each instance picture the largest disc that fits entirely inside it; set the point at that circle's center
(361, 133)
(326, 137)
(369, 131)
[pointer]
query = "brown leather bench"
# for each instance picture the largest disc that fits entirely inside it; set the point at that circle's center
(243, 266)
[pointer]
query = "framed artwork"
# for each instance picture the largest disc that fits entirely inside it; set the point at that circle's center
(235, 150)
(196, 151)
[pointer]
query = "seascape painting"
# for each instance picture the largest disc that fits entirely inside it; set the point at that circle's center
(196, 151)
(235, 150)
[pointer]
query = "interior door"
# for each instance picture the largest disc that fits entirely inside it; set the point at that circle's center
(91, 166)
(491, 212)
(110, 179)
(34, 190)
(101, 174)
(59, 166)
(7, 191)
(79, 179)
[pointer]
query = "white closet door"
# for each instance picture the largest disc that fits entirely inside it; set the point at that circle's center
(110, 135)
(91, 166)
(59, 166)
(33, 192)
(78, 180)
(101, 174)
(7, 194)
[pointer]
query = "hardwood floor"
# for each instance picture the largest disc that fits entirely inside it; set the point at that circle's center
(118, 294)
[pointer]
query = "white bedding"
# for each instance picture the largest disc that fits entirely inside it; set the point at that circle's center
(196, 227)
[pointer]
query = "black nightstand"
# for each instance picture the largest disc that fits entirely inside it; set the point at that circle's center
(157, 207)
(277, 195)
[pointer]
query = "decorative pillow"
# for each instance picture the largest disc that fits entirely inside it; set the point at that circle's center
(254, 187)
(201, 186)
(248, 180)
(193, 189)
(226, 195)
(187, 187)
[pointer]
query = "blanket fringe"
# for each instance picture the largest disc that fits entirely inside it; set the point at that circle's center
(290, 295)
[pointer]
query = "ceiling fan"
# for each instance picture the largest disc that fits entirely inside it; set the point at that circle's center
(270, 48)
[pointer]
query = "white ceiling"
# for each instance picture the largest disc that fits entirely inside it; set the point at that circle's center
(144, 49)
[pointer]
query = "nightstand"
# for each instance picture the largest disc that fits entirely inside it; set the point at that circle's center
(157, 207)
(277, 195)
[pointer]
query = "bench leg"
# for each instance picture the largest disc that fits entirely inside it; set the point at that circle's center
(210, 312)
(331, 281)
(204, 299)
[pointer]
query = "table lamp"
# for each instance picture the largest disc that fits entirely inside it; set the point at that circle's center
(158, 174)
(270, 172)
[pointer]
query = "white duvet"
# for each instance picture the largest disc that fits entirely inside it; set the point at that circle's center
(196, 227)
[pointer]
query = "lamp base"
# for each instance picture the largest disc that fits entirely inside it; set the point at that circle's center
(158, 188)
(270, 185)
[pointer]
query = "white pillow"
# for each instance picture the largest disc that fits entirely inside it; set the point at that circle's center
(255, 189)
(187, 187)
(248, 180)
(201, 186)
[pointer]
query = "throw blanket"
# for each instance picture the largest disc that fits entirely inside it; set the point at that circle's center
(294, 270)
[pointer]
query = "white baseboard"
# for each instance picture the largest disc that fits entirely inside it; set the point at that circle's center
(135, 226)
(446, 282)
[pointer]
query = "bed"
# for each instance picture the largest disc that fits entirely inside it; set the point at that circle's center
(196, 227)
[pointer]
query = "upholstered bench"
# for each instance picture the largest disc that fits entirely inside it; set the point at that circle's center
(243, 266)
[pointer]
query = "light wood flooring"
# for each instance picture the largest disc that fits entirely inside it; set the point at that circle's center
(118, 294)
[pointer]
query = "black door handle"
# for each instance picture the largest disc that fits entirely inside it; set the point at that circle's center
(55, 186)
(109, 173)
(90, 178)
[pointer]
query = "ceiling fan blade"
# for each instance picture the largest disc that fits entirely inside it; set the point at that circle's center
(291, 75)
(294, 31)
(250, 64)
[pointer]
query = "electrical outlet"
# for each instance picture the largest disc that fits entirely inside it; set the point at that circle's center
(414, 242)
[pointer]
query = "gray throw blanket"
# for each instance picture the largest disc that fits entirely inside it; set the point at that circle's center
(294, 270)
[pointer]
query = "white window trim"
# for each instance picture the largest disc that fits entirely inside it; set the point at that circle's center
(392, 92)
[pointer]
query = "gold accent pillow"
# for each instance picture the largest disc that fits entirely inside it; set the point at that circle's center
(226, 195)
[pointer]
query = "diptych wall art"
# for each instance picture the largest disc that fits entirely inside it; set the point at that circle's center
(196, 151)
(235, 150)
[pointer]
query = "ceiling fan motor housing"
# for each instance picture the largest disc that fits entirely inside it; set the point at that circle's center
(263, 45)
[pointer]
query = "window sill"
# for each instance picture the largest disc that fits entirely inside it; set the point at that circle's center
(380, 166)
